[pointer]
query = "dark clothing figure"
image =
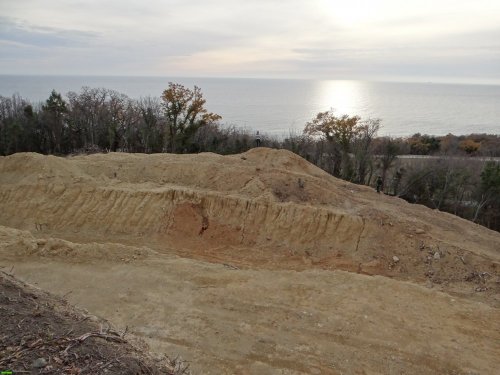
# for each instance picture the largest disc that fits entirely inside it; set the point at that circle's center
(257, 139)
(397, 180)
(379, 184)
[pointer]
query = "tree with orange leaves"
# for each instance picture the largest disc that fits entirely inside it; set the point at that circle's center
(185, 113)
(339, 130)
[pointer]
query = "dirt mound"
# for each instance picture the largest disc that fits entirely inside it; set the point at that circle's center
(19, 244)
(206, 206)
(225, 235)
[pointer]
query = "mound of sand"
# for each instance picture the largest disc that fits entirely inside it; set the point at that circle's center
(206, 206)
(263, 214)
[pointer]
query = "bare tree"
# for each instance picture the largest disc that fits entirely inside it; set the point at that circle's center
(151, 124)
(362, 148)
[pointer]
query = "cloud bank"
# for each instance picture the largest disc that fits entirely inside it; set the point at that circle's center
(385, 39)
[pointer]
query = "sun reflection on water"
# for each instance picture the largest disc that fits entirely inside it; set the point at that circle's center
(345, 97)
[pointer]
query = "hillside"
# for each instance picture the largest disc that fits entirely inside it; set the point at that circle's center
(255, 263)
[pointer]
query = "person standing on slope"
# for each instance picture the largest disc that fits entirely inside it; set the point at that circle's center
(379, 184)
(257, 139)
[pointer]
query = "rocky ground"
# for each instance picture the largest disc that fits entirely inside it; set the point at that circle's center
(257, 263)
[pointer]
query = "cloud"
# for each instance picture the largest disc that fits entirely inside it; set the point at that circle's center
(22, 33)
(261, 38)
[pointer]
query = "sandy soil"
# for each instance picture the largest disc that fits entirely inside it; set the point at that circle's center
(257, 263)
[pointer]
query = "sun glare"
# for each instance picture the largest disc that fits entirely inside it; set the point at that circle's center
(342, 96)
(352, 13)
(346, 14)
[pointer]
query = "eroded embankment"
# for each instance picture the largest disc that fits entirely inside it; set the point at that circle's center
(176, 214)
(266, 208)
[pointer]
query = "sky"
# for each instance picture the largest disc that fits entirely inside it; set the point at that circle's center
(438, 40)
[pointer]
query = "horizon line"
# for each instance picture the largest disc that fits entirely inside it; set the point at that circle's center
(433, 80)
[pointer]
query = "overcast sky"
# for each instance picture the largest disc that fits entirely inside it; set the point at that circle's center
(435, 40)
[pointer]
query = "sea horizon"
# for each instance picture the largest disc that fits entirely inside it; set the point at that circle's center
(453, 81)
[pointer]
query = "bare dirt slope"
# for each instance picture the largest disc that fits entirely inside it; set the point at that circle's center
(43, 334)
(255, 263)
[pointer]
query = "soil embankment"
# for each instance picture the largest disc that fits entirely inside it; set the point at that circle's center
(255, 263)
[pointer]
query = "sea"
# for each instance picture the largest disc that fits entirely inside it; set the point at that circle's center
(280, 107)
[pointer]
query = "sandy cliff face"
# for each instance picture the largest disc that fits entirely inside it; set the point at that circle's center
(262, 210)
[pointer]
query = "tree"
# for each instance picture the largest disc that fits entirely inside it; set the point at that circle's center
(362, 147)
(16, 133)
(88, 115)
(423, 144)
(151, 124)
(449, 144)
(120, 119)
(54, 111)
(469, 146)
(489, 191)
(185, 112)
(390, 151)
(340, 130)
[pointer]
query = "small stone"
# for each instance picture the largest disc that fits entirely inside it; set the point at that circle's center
(419, 231)
(395, 259)
(437, 255)
(39, 363)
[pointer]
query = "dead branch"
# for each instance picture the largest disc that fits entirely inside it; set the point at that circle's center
(109, 335)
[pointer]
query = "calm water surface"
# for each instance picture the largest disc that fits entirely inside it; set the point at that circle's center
(281, 106)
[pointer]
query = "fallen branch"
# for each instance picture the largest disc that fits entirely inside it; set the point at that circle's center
(108, 336)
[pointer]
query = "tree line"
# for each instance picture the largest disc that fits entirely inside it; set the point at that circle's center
(103, 120)
(98, 119)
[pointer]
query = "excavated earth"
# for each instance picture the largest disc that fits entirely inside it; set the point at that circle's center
(258, 263)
